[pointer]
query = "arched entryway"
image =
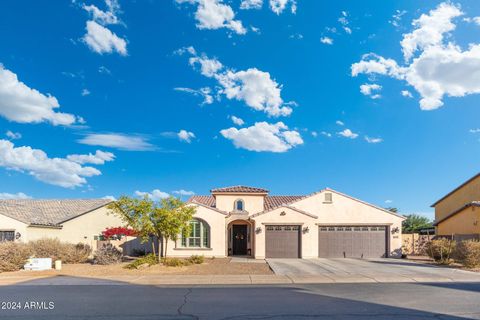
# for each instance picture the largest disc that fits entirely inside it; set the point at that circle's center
(240, 238)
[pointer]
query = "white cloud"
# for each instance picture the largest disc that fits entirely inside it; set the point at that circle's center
(118, 141)
(475, 20)
(13, 135)
(35, 162)
(368, 89)
(19, 103)
(85, 92)
(344, 22)
(314, 134)
(204, 92)
(185, 136)
(104, 70)
(340, 123)
(13, 196)
(104, 17)
(373, 140)
(264, 136)
(434, 66)
(474, 130)
(277, 6)
(347, 133)
(326, 40)
(254, 87)
(251, 4)
(110, 198)
(155, 195)
(407, 94)
(388, 201)
(182, 192)
(326, 134)
(238, 121)
(101, 40)
(214, 14)
(397, 18)
(100, 157)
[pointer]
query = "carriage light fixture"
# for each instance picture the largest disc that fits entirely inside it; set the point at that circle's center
(258, 230)
(305, 229)
(395, 230)
(18, 235)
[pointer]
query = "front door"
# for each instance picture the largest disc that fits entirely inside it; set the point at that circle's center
(239, 240)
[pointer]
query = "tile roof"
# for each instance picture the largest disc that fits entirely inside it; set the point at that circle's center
(243, 189)
(48, 212)
(467, 205)
(270, 201)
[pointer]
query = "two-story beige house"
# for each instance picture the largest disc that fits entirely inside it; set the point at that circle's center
(457, 214)
(247, 221)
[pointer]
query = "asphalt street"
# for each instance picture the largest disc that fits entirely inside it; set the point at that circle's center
(313, 301)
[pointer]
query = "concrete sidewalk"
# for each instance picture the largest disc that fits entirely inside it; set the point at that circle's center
(230, 279)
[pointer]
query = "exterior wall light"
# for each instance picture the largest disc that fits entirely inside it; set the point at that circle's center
(395, 230)
(18, 235)
(258, 230)
(305, 229)
(283, 213)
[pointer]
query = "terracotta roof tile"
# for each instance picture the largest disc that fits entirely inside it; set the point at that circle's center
(48, 212)
(243, 189)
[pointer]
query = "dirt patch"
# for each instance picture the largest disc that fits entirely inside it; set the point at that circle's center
(218, 266)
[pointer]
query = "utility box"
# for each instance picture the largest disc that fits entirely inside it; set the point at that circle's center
(38, 264)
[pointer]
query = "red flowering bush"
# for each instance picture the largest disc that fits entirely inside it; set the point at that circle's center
(118, 232)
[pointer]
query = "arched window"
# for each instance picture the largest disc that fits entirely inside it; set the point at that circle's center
(239, 205)
(199, 236)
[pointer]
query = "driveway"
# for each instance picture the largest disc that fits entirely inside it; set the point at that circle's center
(371, 270)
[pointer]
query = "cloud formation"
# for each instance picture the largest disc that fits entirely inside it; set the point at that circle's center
(119, 141)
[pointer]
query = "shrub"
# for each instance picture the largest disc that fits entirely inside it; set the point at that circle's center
(107, 254)
(441, 250)
(57, 250)
(139, 252)
(149, 259)
(196, 259)
(174, 262)
(468, 253)
(13, 255)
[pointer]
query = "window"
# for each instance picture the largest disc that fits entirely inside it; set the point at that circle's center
(7, 236)
(328, 197)
(199, 235)
(239, 205)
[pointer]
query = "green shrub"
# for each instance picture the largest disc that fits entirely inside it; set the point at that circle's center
(107, 254)
(175, 262)
(57, 250)
(13, 255)
(196, 259)
(441, 250)
(138, 252)
(149, 259)
(468, 253)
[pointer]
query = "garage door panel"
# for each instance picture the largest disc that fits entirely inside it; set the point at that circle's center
(282, 241)
(352, 242)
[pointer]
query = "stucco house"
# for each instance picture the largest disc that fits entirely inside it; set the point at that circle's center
(78, 220)
(457, 214)
(247, 221)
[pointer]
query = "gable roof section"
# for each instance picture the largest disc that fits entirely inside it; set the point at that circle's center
(239, 189)
(470, 204)
(285, 206)
(456, 189)
(48, 212)
(205, 201)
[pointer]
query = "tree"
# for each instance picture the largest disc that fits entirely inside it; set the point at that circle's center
(414, 223)
(392, 209)
(165, 219)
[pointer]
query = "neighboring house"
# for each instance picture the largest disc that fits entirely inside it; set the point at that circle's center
(247, 221)
(68, 220)
(457, 214)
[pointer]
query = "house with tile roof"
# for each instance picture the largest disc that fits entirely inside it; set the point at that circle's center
(248, 221)
(69, 220)
(457, 214)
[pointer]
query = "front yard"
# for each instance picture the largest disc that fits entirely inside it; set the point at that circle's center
(217, 266)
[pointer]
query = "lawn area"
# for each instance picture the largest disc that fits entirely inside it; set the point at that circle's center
(218, 266)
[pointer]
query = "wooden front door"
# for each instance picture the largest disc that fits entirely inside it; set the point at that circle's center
(239, 240)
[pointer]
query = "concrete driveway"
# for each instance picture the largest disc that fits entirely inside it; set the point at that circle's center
(363, 270)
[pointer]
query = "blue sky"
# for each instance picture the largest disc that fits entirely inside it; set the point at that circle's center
(195, 94)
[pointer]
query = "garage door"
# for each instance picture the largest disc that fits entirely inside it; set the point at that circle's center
(282, 241)
(352, 242)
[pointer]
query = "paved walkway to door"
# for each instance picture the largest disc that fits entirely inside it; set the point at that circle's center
(371, 270)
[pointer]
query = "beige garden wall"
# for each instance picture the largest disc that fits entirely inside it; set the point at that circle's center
(216, 221)
(345, 210)
(309, 240)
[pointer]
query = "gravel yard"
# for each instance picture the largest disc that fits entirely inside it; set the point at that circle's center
(218, 266)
